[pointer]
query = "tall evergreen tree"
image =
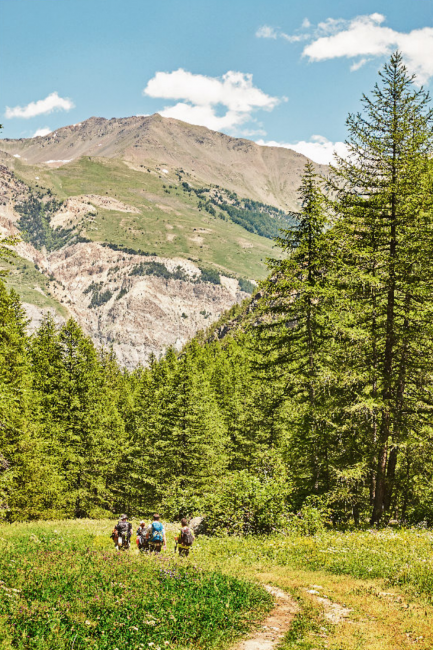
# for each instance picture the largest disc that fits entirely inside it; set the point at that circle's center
(383, 240)
(295, 329)
(183, 435)
(79, 414)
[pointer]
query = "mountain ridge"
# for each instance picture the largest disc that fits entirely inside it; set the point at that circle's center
(267, 174)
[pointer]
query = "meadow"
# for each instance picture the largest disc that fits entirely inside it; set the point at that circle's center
(169, 223)
(32, 286)
(63, 586)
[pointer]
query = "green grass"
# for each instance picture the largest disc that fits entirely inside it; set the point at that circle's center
(24, 278)
(74, 591)
(401, 558)
(63, 585)
(167, 224)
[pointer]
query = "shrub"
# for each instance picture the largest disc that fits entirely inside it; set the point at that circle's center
(246, 285)
(209, 275)
(312, 518)
(100, 298)
(122, 293)
(159, 270)
(245, 503)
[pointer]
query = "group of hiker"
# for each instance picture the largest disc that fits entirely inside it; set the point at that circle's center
(151, 538)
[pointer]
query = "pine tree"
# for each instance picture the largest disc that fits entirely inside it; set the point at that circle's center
(183, 435)
(249, 402)
(294, 332)
(383, 240)
(24, 457)
(79, 415)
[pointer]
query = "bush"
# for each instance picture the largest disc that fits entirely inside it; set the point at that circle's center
(246, 285)
(100, 298)
(123, 291)
(159, 270)
(209, 275)
(311, 519)
(245, 503)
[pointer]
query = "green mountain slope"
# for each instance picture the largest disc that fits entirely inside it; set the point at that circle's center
(168, 220)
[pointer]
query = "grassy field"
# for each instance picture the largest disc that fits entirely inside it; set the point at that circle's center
(32, 286)
(74, 588)
(385, 579)
(169, 222)
(63, 585)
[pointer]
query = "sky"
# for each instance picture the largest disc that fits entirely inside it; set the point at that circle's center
(279, 72)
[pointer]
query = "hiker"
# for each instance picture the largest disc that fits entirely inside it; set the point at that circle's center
(121, 534)
(185, 539)
(142, 542)
(156, 535)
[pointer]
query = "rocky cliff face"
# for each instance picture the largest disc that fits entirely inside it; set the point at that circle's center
(142, 315)
(137, 315)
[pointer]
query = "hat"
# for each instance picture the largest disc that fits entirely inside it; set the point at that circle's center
(142, 521)
(123, 516)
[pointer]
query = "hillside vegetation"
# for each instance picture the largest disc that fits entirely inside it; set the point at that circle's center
(168, 220)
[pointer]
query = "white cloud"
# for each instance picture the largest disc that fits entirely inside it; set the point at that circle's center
(366, 36)
(294, 38)
(203, 97)
(358, 65)
(39, 133)
(266, 32)
(42, 107)
(249, 133)
(319, 149)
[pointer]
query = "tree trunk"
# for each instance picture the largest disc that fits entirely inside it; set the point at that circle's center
(390, 478)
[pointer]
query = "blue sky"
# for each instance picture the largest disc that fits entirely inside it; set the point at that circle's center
(279, 71)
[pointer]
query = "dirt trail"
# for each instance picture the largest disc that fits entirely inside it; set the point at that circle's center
(333, 612)
(275, 626)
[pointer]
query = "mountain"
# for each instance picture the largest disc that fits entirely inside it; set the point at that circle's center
(266, 174)
(145, 229)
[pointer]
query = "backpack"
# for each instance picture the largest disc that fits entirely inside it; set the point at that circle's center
(124, 527)
(157, 532)
(186, 538)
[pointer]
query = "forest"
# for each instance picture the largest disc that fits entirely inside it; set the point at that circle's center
(316, 406)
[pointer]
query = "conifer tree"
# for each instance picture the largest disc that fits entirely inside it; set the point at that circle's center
(79, 412)
(249, 402)
(295, 330)
(184, 433)
(24, 457)
(383, 241)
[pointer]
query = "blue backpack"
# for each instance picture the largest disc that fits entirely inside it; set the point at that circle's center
(157, 532)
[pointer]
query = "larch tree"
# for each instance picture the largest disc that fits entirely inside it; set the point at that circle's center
(383, 242)
(294, 331)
